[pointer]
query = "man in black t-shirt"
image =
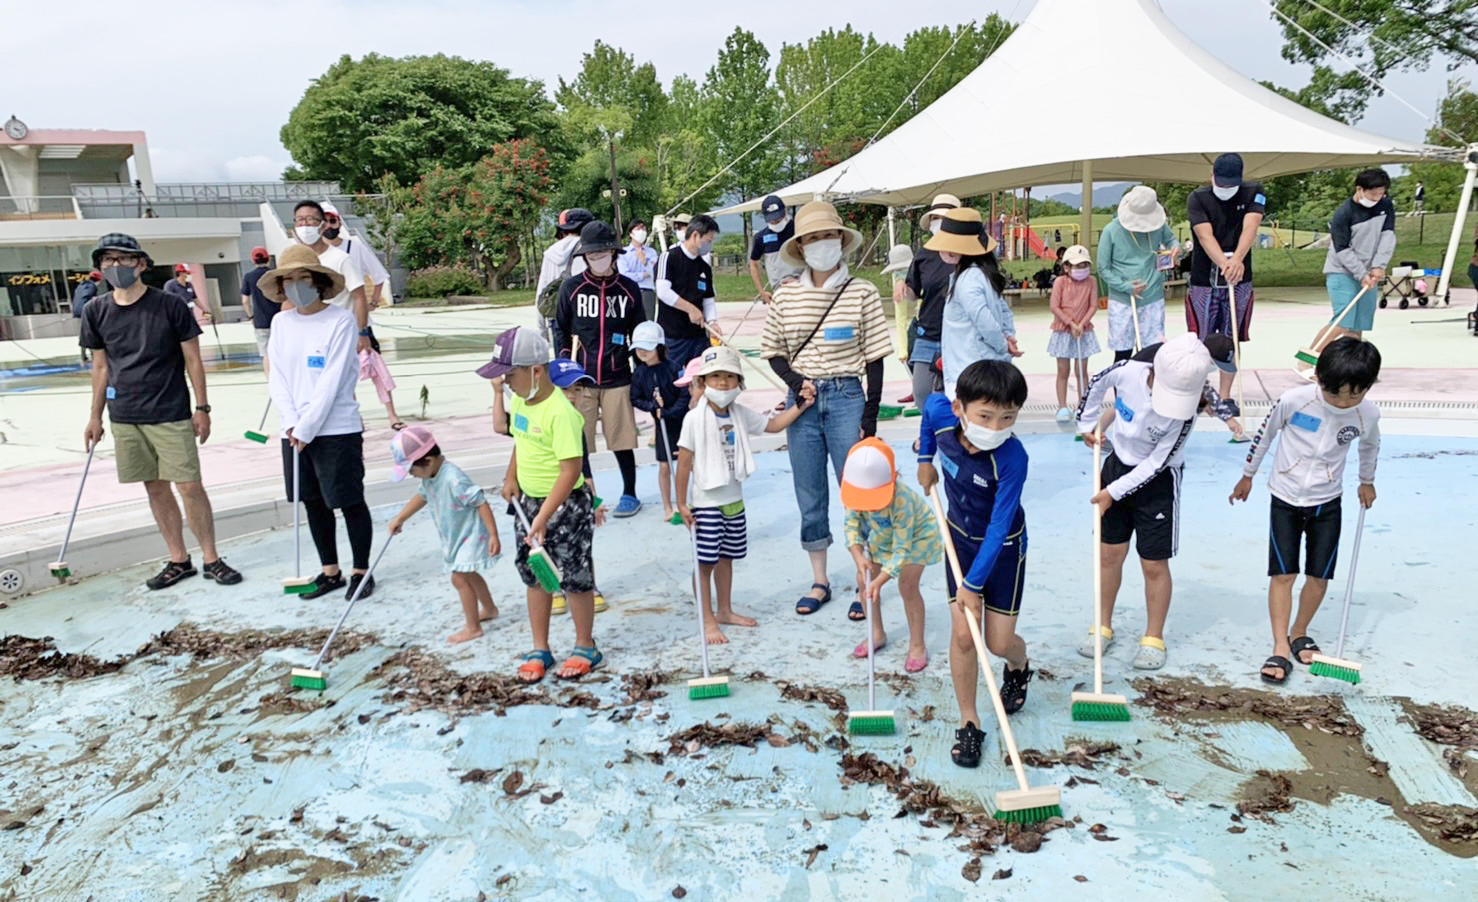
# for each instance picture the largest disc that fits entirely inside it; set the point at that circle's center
(1225, 216)
(259, 308)
(779, 228)
(685, 292)
(143, 342)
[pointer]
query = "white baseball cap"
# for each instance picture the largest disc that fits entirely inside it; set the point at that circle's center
(1181, 367)
(648, 336)
(869, 476)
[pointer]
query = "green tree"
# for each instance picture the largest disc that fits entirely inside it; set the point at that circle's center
(740, 110)
(611, 81)
(366, 118)
(586, 182)
(685, 156)
(475, 215)
(845, 110)
(1385, 35)
(1458, 113)
(926, 46)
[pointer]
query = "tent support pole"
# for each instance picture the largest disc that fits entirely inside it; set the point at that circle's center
(1470, 160)
(892, 237)
(1085, 222)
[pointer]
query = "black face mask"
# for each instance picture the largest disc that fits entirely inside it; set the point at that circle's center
(330, 234)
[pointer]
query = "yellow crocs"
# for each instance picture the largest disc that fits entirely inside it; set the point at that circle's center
(600, 602)
(559, 606)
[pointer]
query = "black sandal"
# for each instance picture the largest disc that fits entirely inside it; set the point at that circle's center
(968, 740)
(1280, 662)
(173, 572)
(1013, 687)
(808, 605)
(855, 612)
(1303, 644)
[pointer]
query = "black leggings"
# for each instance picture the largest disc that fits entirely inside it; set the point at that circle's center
(357, 523)
(626, 461)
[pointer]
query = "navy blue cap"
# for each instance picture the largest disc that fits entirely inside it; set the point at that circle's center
(1227, 170)
(564, 372)
(773, 208)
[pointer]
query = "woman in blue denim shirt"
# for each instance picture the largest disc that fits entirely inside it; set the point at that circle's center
(977, 323)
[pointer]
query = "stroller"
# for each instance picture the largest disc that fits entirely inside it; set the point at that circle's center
(1407, 283)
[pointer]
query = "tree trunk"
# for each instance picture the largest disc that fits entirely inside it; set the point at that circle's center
(515, 256)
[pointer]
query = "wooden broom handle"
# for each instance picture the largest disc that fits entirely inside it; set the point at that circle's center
(1097, 565)
(975, 636)
(763, 371)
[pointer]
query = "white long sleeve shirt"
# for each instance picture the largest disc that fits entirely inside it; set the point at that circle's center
(559, 263)
(315, 366)
(1309, 467)
(668, 296)
(1142, 439)
(366, 259)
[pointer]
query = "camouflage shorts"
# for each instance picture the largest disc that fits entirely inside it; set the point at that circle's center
(567, 540)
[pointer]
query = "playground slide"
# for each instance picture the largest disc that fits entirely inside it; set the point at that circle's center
(1038, 246)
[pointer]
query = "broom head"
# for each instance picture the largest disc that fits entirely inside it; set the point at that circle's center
(256, 437)
(676, 519)
(60, 570)
(708, 687)
(297, 586)
(544, 570)
(1028, 806)
(1100, 706)
(1335, 668)
(913, 412)
(1304, 355)
(871, 723)
(889, 412)
(303, 678)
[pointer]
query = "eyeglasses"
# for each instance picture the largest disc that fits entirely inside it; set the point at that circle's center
(109, 260)
(305, 221)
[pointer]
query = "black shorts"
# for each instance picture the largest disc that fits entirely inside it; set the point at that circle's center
(1151, 515)
(567, 540)
(333, 470)
(667, 446)
(1003, 588)
(1319, 524)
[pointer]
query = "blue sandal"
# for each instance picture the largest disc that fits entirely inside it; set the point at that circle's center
(534, 665)
(808, 605)
(584, 658)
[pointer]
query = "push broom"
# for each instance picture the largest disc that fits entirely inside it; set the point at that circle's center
(1309, 356)
(871, 722)
(708, 685)
(1097, 705)
(1240, 437)
(259, 436)
(59, 567)
(311, 677)
(1023, 805)
(885, 411)
(542, 566)
(676, 519)
(297, 585)
(1336, 667)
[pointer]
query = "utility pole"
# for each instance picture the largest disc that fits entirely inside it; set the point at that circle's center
(615, 185)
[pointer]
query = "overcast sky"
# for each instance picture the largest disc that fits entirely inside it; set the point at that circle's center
(212, 90)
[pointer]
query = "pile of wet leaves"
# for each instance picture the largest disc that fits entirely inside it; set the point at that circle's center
(642, 686)
(1266, 794)
(188, 639)
(23, 658)
(706, 735)
(1447, 725)
(831, 698)
(1082, 753)
(1454, 823)
(418, 680)
(1184, 699)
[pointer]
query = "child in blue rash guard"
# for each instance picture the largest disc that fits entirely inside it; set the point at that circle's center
(984, 470)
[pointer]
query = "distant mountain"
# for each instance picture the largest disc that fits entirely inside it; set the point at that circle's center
(1103, 195)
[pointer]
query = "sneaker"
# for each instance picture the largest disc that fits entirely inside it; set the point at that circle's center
(354, 581)
(173, 572)
(221, 572)
(1013, 687)
(559, 605)
(627, 506)
(324, 584)
(1230, 407)
(1064, 414)
(968, 740)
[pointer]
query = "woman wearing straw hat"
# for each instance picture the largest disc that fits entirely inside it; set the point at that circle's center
(928, 283)
(1129, 252)
(977, 324)
(313, 354)
(825, 334)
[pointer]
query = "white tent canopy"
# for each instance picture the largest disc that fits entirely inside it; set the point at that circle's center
(1146, 104)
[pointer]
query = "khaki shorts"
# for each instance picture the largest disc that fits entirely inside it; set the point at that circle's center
(154, 451)
(617, 418)
(263, 336)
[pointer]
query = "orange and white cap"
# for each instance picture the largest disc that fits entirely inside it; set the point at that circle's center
(869, 476)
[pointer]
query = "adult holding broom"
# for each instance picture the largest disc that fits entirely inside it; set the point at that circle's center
(1128, 260)
(826, 336)
(314, 366)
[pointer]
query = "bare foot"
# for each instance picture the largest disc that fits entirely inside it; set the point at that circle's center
(667, 513)
(733, 619)
(464, 635)
(487, 612)
(713, 634)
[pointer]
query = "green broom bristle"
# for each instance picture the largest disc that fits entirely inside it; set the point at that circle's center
(913, 412)
(1308, 357)
(676, 519)
(713, 690)
(61, 572)
(297, 590)
(305, 682)
(257, 437)
(878, 724)
(1099, 711)
(1029, 815)
(544, 570)
(1335, 672)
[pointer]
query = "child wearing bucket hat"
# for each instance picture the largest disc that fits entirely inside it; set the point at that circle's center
(1131, 251)
(654, 390)
(984, 469)
(714, 456)
(1074, 301)
(463, 519)
(892, 535)
(1155, 407)
(977, 324)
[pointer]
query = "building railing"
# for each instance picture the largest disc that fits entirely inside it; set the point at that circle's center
(222, 200)
(39, 207)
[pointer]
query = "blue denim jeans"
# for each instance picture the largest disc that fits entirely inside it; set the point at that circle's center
(828, 429)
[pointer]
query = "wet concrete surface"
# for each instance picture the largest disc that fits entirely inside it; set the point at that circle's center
(424, 772)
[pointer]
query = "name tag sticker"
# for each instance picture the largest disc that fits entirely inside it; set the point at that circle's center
(950, 468)
(112, 393)
(839, 333)
(1124, 410)
(702, 284)
(520, 422)
(1304, 421)
(618, 339)
(315, 361)
(1260, 199)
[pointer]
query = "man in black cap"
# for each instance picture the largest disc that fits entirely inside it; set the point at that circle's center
(559, 263)
(600, 308)
(143, 342)
(779, 228)
(1225, 216)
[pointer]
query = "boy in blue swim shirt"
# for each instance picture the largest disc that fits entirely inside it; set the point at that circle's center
(984, 470)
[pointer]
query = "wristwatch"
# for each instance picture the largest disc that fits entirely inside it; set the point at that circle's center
(203, 408)
(364, 333)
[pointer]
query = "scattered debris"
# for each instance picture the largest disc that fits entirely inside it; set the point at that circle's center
(706, 735)
(812, 852)
(1001, 874)
(289, 702)
(1082, 753)
(831, 698)
(971, 870)
(1447, 725)
(419, 681)
(478, 775)
(188, 639)
(1268, 795)
(642, 687)
(1453, 823)
(1026, 842)
(1179, 700)
(36, 659)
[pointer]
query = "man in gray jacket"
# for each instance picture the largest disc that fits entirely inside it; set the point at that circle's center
(1362, 240)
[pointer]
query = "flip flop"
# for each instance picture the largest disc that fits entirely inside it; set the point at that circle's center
(535, 664)
(1303, 644)
(1276, 661)
(807, 605)
(855, 612)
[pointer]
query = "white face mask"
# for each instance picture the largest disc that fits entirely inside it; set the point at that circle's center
(600, 263)
(823, 255)
(983, 438)
(1366, 202)
(779, 225)
(533, 388)
(639, 236)
(935, 225)
(681, 235)
(308, 234)
(1225, 193)
(721, 398)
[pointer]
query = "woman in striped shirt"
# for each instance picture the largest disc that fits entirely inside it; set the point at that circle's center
(824, 335)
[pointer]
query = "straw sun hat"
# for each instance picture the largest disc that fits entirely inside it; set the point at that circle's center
(962, 232)
(942, 204)
(817, 216)
(296, 259)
